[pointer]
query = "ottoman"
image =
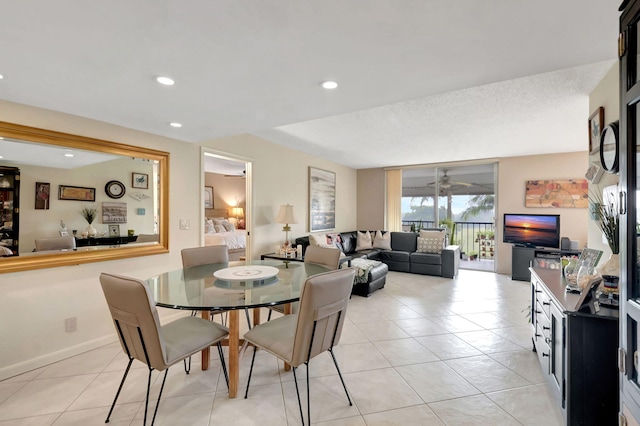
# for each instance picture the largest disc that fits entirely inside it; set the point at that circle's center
(371, 275)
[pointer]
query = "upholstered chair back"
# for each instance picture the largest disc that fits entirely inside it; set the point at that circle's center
(327, 257)
(197, 256)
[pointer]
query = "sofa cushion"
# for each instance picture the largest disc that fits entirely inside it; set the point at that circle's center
(349, 240)
(382, 240)
(394, 255)
(403, 241)
(364, 241)
(426, 258)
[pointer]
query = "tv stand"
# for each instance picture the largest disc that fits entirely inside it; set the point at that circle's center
(524, 257)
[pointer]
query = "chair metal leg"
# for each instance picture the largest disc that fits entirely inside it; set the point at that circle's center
(126, 371)
(224, 366)
(246, 311)
(295, 380)
(187, 369)
(308, 397)
(159, 396)
(340, 374)
(269, 316)
(253, 358)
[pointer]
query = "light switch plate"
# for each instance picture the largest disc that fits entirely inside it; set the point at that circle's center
(184, 224)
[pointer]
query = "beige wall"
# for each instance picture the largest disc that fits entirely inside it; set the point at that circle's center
(280, 176)
(227, 192)
(513, 172)
(34, 304)
(604, 95)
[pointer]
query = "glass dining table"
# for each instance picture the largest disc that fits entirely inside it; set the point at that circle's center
(236, 286)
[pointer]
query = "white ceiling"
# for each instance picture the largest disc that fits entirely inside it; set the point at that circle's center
(420, 81)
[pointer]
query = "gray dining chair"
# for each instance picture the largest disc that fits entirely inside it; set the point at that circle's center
(55, 243)
(316, 328)
(143, 337)
(327, 257)
(197, 256)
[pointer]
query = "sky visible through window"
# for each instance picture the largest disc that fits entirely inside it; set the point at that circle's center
(459, 203)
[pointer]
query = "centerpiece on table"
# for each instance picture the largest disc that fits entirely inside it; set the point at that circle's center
(89, 214)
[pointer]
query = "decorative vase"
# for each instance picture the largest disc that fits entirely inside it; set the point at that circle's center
(91, 231)
(611, 266)
(570, 274)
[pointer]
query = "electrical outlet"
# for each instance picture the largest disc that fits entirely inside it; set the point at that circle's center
(184, 224)
(71, 324)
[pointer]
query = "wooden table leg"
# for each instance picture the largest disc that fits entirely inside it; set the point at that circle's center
(234, 361)
(205, 352)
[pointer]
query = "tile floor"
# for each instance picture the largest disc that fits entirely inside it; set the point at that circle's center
(424, 351)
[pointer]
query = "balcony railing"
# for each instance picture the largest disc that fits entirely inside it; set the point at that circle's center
(473, 237)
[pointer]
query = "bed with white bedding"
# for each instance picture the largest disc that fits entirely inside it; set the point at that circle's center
(219, 231)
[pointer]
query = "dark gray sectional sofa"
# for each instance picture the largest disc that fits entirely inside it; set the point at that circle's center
(402, 257)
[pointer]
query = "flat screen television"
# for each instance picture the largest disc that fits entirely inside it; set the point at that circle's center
(532, 230)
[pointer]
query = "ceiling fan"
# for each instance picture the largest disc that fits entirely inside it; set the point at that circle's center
(445, 181)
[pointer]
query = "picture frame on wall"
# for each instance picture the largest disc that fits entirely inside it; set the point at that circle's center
(76, 193)
(43, 190)
(114, 212)
(596, 124)
(208, 197)
(322, 199)
(140, 180)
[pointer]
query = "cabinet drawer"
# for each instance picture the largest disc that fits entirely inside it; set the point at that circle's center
(542, 349)
(544, 302)
(544, 325)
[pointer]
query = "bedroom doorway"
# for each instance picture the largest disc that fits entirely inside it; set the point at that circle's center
(226, 202)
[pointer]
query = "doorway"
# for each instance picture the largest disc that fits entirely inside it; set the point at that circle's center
(226, 203)
(461, 198)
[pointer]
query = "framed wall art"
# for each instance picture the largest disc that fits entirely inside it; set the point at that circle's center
(43, 189)
(557, 193)
(322, 199)
(140, 180)
(596, 123)
(208, 197)
(76, 193)
(114, 213)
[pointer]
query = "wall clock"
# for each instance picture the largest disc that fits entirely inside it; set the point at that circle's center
(114, 189)
(609, 148)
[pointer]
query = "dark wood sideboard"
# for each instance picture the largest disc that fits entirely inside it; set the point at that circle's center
(576, 349)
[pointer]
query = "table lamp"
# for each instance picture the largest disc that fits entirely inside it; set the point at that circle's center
(285, 215)
(238, 213)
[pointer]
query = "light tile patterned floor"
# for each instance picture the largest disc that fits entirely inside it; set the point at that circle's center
(422, 351)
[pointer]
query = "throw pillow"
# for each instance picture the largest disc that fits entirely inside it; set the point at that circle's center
(319, 240)
(382, 241)
(208, 227)
(228, 226)
(363, 241)
(219, 228)
(430, 245)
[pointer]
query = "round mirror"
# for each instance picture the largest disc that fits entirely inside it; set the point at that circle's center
(609, 148)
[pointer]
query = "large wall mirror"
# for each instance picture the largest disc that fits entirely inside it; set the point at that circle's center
(61, 177)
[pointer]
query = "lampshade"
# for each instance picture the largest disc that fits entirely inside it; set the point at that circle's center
(237, 211)
(285, 215)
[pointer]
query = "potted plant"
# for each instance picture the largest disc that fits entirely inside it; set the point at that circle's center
(607, 216)
(473, 255)
(89, 214)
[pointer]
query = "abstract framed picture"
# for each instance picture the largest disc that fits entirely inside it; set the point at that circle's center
(596, 123)
(76, 193)
(322, 199)
(114, 230)
(557, 193)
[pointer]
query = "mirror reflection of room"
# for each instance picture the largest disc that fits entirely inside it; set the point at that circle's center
(59, 185)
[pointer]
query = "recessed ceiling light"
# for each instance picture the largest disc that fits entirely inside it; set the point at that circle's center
(165, 80)
(1, 76)
(68, 154)
(174, 124)
(329, 84)
(1, 156)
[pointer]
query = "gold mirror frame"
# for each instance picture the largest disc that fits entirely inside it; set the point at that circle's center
(26, 133)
